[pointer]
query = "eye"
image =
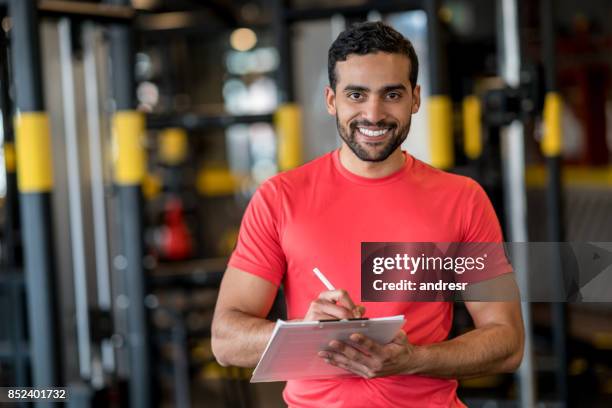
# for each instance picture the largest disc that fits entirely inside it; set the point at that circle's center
(355, 96)
(394, 95)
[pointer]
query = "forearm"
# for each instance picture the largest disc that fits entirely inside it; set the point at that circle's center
(486, 350)
(239, 339)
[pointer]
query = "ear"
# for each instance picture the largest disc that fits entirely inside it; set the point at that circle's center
(330, 100)
(416, 99)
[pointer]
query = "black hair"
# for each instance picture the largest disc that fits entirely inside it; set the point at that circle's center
(368, 38)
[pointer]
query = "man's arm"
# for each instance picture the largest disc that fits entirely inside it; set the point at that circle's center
(495, 345)
(240, 330)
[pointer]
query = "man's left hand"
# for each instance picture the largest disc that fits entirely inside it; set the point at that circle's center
(369, 359)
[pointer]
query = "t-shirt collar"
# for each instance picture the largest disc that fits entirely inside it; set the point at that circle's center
(371, 181)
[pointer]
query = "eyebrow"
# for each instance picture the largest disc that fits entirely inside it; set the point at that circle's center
(384, 89)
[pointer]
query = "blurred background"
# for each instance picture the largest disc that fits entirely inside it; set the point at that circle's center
(144, 127)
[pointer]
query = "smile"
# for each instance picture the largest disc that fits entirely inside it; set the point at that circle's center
(372, 133)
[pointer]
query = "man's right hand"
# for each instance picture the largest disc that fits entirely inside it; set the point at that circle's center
(333, 304)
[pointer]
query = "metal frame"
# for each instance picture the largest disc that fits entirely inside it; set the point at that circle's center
(75, 207)
(12, 280)
(513, 157)
(36, 209)
(554, 204)
(83, 10)
(132, 228)
(193, 121)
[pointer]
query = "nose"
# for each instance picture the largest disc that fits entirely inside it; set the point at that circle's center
(374, 110)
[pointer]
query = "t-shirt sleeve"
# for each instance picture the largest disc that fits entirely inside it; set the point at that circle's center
(258, 249)
(480, 223)
(482, 235)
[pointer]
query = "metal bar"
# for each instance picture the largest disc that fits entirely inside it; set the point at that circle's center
(97, 181)
(77, 238)
(554, 201)
(282, 38)
(196, 121)
(182, 397)
(130, 204)
(182, 22)
(513, 154)
(35, 208)
(19, 351)
(434, 46)
(11, 199)
(12, 260)
(547, 13)
(131, 229)
(122, 61)
(86, 10)
(439, 104)
(96, 167)
(382, 6)
(25, 49)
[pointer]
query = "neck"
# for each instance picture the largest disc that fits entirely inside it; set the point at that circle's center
(367, 169)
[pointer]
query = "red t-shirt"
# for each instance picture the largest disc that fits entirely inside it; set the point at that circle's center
(317, 216)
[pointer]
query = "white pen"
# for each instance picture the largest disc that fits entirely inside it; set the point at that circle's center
(323, 279)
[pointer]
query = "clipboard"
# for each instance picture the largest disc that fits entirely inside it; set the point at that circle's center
(291, 353)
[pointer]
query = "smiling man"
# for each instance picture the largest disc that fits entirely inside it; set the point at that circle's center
(369, 190)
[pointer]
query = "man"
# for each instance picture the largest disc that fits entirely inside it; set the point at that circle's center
(367, 191)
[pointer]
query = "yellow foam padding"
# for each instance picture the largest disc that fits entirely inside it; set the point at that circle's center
(128, 147)
(578, 366)
(488, 381)
(173, 146)
(227, 242)
(288, 122)
(33, 148)
(472, 136)
(602, 340)
(151, 186)
(574, 176)
(10, 161)
(213, 371)
(217, 181)
(441, 131)
(552, 140)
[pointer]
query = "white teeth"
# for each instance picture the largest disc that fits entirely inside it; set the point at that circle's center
(373, 133)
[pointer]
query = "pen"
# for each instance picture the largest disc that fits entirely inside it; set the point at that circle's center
(323, 279)
(329, 286)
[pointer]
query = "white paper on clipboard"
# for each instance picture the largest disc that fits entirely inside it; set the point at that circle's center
(291, 353)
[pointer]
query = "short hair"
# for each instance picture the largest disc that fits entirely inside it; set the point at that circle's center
(368, 38)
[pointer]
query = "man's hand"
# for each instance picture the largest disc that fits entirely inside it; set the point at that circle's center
(368, 358)
(333, 304)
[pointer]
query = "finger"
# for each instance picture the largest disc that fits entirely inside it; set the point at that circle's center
(365, 344)
(340, 296)
(359, 311)
(315, 316)
(344, 362)
(400, 338)
(352, 353)
(332, 309)
(345, 367)
(350, 369)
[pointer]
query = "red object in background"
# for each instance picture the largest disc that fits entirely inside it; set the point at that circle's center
(584, 80)
(176, 243)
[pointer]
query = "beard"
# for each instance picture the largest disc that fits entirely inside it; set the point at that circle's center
(385, 148)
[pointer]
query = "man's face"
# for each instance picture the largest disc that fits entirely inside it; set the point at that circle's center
(373, 103)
